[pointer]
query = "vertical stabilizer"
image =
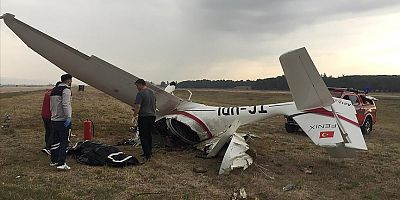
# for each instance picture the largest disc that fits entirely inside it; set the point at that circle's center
(305, 83)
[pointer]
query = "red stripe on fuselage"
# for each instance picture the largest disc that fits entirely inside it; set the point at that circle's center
(323, 111)
(349, 120)
(196, 119)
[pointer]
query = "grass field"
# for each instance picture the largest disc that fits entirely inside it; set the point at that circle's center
(281, 158)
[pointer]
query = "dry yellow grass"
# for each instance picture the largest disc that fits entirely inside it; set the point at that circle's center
(371, 175)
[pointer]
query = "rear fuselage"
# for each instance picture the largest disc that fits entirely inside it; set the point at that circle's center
(210, 121)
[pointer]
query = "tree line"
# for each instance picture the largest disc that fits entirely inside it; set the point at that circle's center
(376, 83)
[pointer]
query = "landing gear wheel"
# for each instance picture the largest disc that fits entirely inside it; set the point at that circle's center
(366, 128)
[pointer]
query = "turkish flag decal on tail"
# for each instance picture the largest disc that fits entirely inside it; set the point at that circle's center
(326, 134)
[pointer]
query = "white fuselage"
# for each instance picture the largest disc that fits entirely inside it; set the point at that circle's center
(211, 121)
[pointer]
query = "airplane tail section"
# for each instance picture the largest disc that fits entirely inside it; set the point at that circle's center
(327, 121)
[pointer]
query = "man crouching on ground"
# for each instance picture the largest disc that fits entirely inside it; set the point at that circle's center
(61, 111)
(145, 115)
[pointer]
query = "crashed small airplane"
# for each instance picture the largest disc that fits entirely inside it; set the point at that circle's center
(329, 122)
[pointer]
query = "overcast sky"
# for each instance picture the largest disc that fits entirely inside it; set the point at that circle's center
(209, 39)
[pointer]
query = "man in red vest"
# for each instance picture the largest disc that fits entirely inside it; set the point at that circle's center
(46, 116)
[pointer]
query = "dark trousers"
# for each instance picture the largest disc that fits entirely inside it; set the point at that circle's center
(60, 141)
(47, 134)
(146, 127)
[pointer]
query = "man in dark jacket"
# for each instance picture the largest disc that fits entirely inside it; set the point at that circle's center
(61, 112)
(144, 116)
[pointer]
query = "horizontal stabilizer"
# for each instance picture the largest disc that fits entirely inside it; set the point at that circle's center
(323, 127)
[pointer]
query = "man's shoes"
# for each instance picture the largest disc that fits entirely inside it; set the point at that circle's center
(52, 164)
(46, 151)
(64, 167)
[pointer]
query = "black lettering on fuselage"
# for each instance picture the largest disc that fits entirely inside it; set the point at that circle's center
(253, 111)
(322, 126)
(236, 110)
(262, 110)
(225, 111)
(342, 102)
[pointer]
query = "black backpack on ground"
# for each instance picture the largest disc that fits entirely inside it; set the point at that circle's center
(91, 153)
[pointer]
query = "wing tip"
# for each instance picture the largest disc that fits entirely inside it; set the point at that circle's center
(294, 51)
(7, 15)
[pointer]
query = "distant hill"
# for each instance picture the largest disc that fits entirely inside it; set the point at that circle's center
(21, 81)
(384, 83)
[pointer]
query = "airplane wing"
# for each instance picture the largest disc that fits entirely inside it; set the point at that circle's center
(90, 69)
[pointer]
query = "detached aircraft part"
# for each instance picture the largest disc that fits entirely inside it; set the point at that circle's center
(236, 156)
(329, 122)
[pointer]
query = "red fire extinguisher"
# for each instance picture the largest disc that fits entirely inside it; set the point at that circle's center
(88, 129)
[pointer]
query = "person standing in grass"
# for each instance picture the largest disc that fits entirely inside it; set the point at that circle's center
(61, 112)
(144, 116)
(46, 116)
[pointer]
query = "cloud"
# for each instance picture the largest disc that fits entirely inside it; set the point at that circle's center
(171, 40)
(274, 17)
